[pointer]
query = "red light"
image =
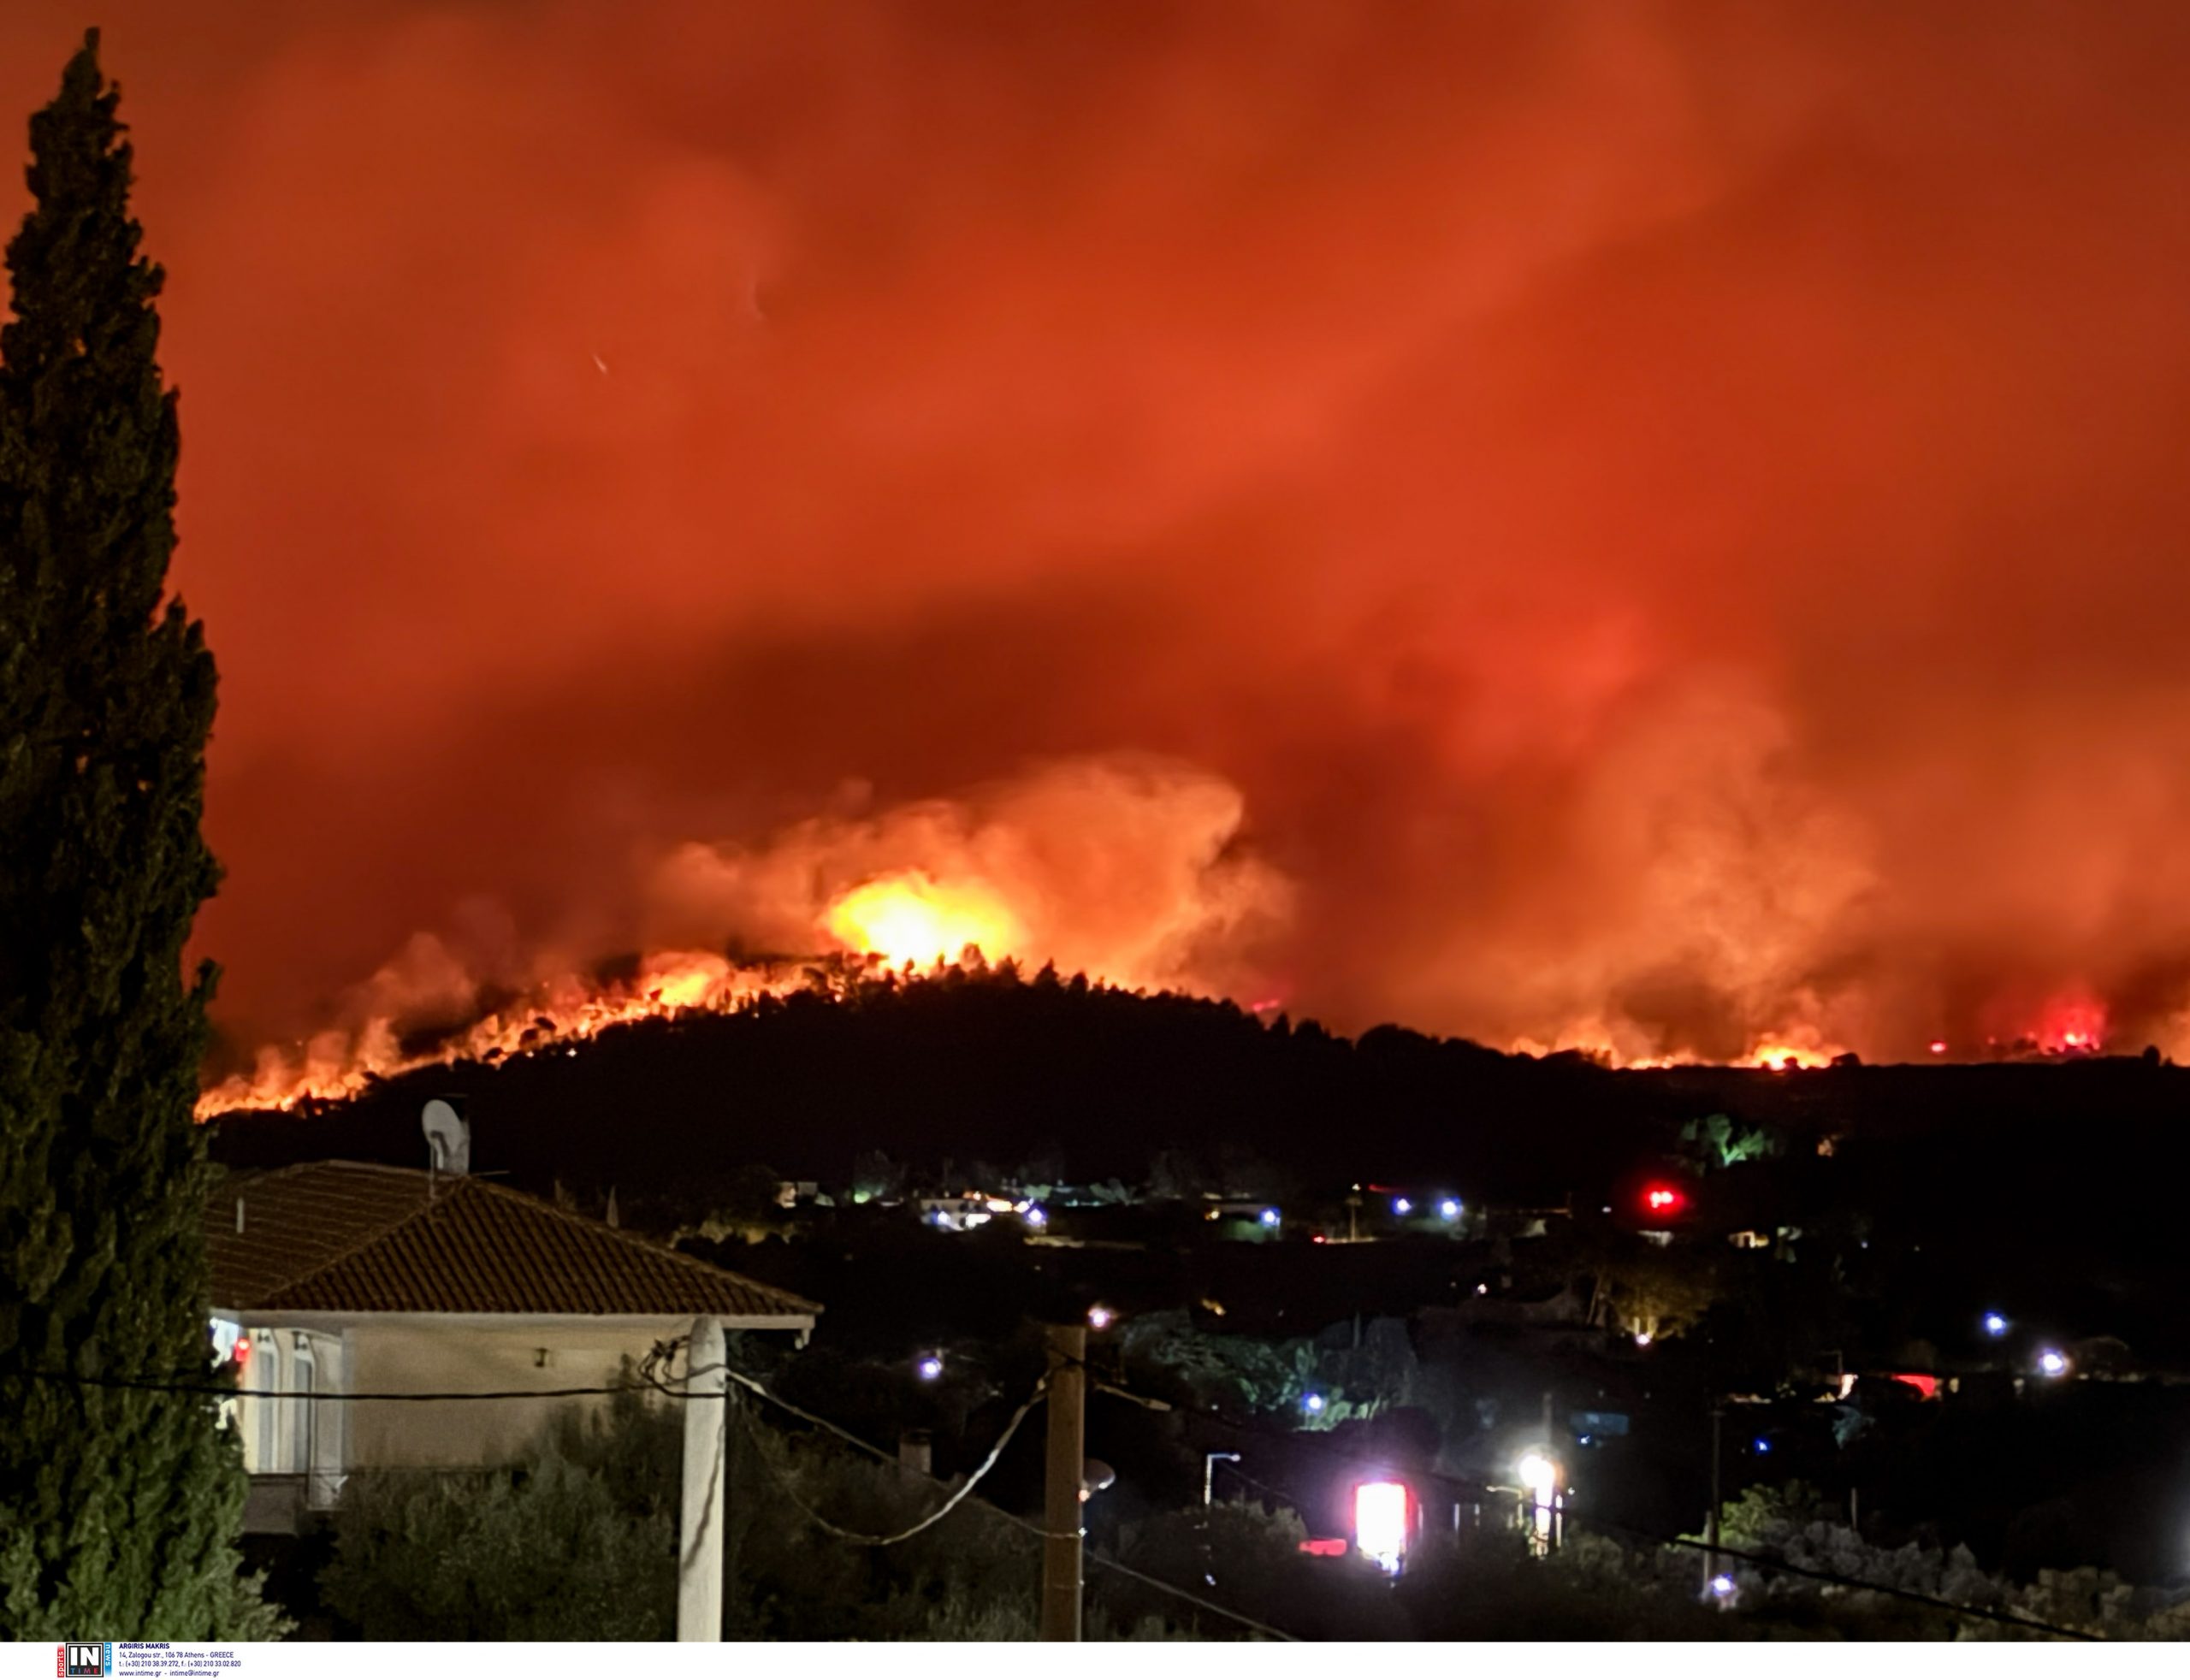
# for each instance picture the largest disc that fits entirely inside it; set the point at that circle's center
(1661, 1198)
(1324, 1548)
(1939, 1047)
(243, 1352)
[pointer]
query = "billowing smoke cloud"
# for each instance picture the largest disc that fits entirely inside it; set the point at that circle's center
(1668, 516)
(1123, 871)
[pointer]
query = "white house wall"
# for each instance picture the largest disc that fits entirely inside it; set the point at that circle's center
(428, 1357)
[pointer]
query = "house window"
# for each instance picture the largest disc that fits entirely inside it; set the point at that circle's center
(304, 1414)
(266, 1372)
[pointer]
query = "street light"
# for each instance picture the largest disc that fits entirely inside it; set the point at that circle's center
(1539, 1474)
(1995, 1325)
(1382, 1518)
(2053, 1363)
(1208, 1462)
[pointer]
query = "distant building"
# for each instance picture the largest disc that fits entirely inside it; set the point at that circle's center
(335, 1278)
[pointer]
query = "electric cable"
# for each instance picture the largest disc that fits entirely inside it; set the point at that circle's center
(958, 1498)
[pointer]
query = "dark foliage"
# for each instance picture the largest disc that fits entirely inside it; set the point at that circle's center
(118, 1510)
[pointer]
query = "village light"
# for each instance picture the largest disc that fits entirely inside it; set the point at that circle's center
(1995, 1325)
(1402, 1206)
(2053, 1362)
(1539, 1474)
(1100, 1318)
(1380, 1523)
(1270, 1217)
(1313, 1403)
(930, 1367)
(1722, 1586)
(1034, 1214)
(1448, 1208)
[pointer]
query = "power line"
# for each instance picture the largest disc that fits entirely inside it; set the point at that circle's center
(1780, 1565)
(228, 1391)
(1295, 1438)
(1034, 1528)
(927, 1522)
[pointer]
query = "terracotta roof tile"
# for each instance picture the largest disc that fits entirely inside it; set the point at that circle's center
(340, 1236)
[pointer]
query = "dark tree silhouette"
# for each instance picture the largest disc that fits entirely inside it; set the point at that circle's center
(118, 1508)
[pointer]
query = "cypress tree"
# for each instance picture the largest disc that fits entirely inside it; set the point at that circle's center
(119, 1508)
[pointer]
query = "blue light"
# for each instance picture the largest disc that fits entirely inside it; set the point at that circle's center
(1269, 1215)
(1448, 1208)
(1762, 1444)
(1036, 1217)
(1313, 1402)
(929, 1368)
(1722, 1586)
(1995, 1325)
(1402, 1206)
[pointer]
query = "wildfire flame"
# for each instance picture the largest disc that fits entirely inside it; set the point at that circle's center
(909, 918)
(1129, 870)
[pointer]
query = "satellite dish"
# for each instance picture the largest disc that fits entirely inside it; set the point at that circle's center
(448, 1138)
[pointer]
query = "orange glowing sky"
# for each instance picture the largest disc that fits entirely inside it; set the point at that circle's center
(1656, 522)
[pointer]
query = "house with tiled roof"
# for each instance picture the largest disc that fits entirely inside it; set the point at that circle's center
(336, 1279)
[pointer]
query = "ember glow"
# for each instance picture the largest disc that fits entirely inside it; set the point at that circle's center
(1643, 528)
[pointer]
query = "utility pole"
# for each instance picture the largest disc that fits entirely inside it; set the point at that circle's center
(1068, 1461)
(1711, 1526)
(702, 1512)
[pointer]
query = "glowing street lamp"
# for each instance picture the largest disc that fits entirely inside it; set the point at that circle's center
(1270, 1217)
(1449, 1210)
(1312, 1404)
(2053, 1363)
(1995, 1325)
(1539, 1474)
(1100, 1318)
(1380, 1522)
(1402, 1206)
(930, 1367)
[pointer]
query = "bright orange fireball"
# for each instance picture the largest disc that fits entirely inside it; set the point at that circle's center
(911, 918)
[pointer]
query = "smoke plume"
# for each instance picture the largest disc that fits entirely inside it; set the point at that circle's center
(1657, 526)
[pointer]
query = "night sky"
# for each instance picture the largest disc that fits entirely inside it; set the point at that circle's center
(1657, 525)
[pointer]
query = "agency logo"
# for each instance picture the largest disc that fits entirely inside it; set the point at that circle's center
(83, 1660)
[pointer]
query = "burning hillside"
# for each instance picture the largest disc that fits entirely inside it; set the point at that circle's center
(1587, 488)
(1131, 871)
(1139, 873)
